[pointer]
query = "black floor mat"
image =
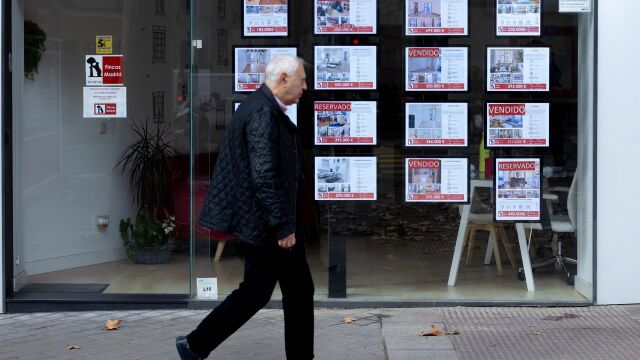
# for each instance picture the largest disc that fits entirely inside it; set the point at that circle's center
(63, 288)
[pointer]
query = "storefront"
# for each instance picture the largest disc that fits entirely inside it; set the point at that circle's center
(448, 144)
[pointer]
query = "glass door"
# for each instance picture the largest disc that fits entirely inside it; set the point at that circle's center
(94, 83)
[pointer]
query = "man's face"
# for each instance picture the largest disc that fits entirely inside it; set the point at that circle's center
(293, 86)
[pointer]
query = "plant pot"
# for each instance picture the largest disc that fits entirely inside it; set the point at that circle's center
(152, 255)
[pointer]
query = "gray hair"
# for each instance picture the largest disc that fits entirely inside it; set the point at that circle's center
(287, 64)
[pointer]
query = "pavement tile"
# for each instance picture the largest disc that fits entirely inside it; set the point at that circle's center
(423, 355)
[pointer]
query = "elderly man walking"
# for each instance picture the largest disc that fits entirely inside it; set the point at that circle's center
(253, 194)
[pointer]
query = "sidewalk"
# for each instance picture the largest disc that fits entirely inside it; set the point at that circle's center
(611, 332)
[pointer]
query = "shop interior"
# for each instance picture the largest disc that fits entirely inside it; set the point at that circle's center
(67, 182)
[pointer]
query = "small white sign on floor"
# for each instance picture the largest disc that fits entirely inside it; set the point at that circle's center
(207, 288)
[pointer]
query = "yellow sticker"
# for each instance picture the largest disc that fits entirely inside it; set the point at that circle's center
(104, 44)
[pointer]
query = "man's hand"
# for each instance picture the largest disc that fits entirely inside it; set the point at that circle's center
(287, 242)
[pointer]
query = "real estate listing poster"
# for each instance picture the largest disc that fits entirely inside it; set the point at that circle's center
(518, 69)
(345, 17)
(292, 111)
(345, 178)
(250, 65)
(436, 17)
(345, 122)
(517, 125)
(436, 179)
(345, 68)
(574, 6)
(266, 17)
(436, 124)
(518, 190)
(518, 17)
(104, 101)
(436, 69)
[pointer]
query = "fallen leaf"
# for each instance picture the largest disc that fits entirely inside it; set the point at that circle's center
(112, 324)
(349, 319)
(72, 347)
(433, 332)
(560, 317)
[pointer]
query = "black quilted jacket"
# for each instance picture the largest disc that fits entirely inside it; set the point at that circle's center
(253, 190)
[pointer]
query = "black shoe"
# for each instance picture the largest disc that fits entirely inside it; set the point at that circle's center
(184, 351)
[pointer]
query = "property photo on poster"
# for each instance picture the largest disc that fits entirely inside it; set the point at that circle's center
(436, 179)
(436, 69)
(345, 17)
(266, 17)
(292, 111)
(345, 178)
(436, 17)
(345, 122)
(518, 69)
(518, 17)
(517, 124)
(436, 124)
(345, 68)
(251, 63)
(518, 189)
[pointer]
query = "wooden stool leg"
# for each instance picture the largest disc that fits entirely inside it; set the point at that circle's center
(502, 234)
(496, 251)
(472, 243)
(219, 249)
(489, 252)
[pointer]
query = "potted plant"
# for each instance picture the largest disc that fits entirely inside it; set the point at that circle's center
(34, 47)
(147, 240)
(148, 161)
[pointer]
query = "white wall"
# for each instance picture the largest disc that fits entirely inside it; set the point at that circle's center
(585, 168)
(2, 245)
(618, 198)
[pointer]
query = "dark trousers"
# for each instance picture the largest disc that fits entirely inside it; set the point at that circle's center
(262, 269)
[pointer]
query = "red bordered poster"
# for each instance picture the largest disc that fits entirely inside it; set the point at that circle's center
(345, 68)
(518, 68)
(518, 17)
(250, 64)
(518, 189)
(436, 69)
(436, 179)
(345, 122)
(345, 17)
(517, 125)
(436, 124)
(436, 17)
(345, 178)
(265, 18)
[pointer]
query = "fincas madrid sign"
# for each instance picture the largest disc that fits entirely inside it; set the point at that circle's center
(104, 70)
